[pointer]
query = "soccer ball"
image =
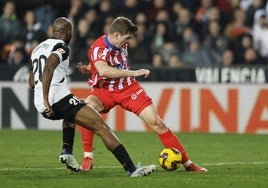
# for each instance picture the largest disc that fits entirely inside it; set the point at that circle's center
(170, 159)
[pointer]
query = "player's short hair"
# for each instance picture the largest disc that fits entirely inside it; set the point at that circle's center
(123, 25)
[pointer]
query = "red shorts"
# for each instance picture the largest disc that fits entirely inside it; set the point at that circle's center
(133, 98)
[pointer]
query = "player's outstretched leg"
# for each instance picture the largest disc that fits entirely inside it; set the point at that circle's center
(169, 139)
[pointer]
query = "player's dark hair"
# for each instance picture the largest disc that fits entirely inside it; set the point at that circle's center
(123, 25)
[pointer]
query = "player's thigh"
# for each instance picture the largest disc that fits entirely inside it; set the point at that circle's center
(89, 118)
(95, 102)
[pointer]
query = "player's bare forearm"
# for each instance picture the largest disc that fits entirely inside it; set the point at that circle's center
(112, 72)
(51, 64)
(47, 77)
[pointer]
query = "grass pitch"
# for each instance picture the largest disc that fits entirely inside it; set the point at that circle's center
(30, 159)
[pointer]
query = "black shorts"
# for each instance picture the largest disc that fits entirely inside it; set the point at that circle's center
(66, 108)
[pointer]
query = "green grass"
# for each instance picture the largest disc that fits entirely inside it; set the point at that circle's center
(30, 159)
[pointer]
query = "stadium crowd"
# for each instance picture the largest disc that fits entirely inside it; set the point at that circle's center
(171, 33)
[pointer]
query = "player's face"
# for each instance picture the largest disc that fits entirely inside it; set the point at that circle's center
(123, 39)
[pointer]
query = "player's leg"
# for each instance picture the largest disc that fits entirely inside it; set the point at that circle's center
(66, 156)
(90, 119)
(87, 141)
(167, 137)
(88, 136)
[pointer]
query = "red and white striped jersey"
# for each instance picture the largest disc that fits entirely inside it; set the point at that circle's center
(103, 50)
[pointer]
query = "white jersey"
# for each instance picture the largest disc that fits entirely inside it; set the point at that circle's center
(58, 87)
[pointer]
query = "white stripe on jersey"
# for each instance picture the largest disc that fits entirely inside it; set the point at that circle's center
(95, 53)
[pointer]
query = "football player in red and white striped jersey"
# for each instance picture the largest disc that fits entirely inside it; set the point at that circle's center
(113, 83)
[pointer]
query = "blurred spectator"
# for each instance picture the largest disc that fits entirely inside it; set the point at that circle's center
(240, 45)
(141, 18)
(107, 23)
(168, 49)
(252, 57)
(250, 11)
(195, 55)
(105, 9)
(244, 4)
(260, 33)
(77, 11)
(260, 22)
(138, 52)
(154, 8)
(202, 12)
(92, 2)
(160, 36)
(213, 14)
(80, 44)
(174, 61)
(157, 60)
(227, 58)
(215, 26)
(183, 21)
(227, 9)
(191, 5)
(17, 57)
(188, 36)
(94, 29)
(31, 30)
(215, 43)
(9, 28)
(45, 14)
(237, 26)
(177, 7)
(130, 9)
(141, 35)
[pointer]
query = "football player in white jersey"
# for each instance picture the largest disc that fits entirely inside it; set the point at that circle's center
(52, 98)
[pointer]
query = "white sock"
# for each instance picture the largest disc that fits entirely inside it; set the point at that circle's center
(187, 163)
(88, 154)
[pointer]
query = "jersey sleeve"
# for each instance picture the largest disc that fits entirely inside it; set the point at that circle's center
(100, 54)
(61, 50)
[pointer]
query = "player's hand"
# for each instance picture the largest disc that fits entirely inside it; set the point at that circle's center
(49, 111)
(142, 72)
(85, 69)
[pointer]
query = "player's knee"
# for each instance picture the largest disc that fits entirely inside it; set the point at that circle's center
(157, 123)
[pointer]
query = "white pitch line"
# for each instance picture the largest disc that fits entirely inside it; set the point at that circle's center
(106, 167)
(235, 163)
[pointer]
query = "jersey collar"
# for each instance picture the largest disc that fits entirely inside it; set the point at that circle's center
(109, 44)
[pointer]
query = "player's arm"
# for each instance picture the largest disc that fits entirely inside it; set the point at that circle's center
(111, 72)
(31, 77)
(59, 53)
(51, 63)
